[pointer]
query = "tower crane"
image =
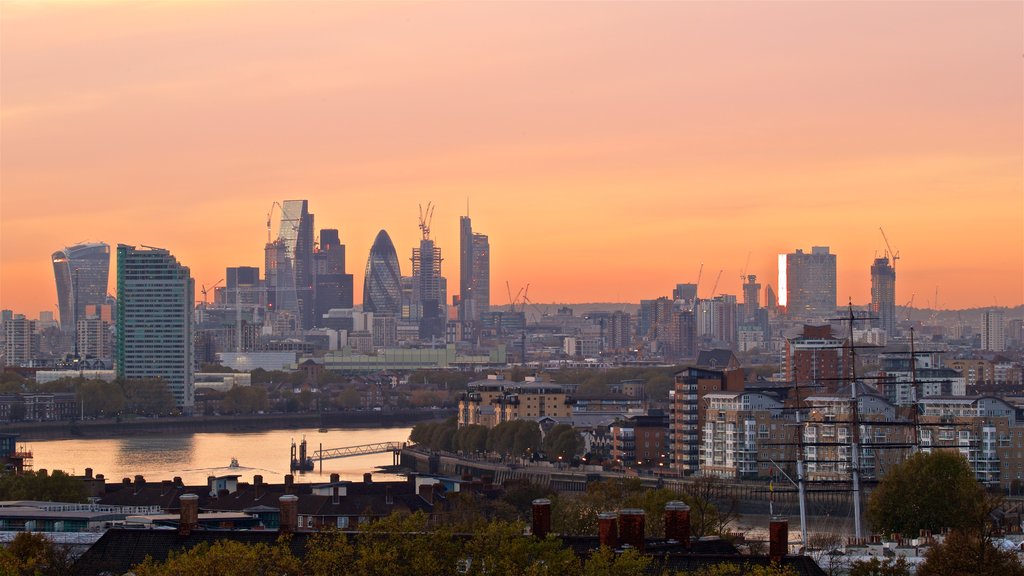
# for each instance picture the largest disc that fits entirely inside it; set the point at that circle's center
(743, 273)
(270, 217)
(894, 255)
(714, 288)
(700, 273)
(426, 215)
(204, 289)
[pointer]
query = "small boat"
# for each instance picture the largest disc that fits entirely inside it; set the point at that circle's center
(323, 430)
(234, 463)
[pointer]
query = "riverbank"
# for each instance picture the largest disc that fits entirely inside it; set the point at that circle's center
(111, 428)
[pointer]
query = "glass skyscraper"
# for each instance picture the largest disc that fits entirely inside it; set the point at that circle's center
(382, 286)
(474, 275)
(883, 295)
(81, 272)
(155, 297)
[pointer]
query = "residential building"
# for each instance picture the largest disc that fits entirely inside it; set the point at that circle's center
(816, 358)
(993, 330)
(493, 401)
(973, 370)
(743, 433)
(94, 338)
(21, 342)
(155, 296)
(641, 441)
(686, 416)
(807, 283)
(883, 295)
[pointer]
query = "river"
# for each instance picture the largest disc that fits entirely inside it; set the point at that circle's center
(194, 456)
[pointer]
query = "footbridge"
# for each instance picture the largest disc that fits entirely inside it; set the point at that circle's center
(363, 449)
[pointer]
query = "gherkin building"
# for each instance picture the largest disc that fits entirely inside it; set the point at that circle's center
(382, 291)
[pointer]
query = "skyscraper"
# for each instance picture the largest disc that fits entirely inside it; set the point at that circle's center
(21, 343)
(382, 291)
(155, 297)
(993, 330)
(883, 295)
(751, 299)
(81, 272)
(296, 236)
(807, 283)
(428, 296)
(474, 275)
(333, 285)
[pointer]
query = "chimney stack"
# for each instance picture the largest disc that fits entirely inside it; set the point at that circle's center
(778, 538)
(631, 527)
(289, 507)
(189, 514)
(139, 480)
(607, 529)
(541, 517)
(257, 486)
(367, 478)
(88, 472)
(289, 481)
(677, 522)
(177, 481)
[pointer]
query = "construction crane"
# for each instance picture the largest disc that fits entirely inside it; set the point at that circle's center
(910, 305)
(743, 273)
(513, 301)
(426, 215)
(269, 218)
(714, 289)
(894, 255)
(696, 290)
(204, 289)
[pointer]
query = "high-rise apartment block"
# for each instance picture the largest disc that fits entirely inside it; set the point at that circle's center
(807, 282)
(81, 272)
(155, 297)
(21, 343)
(429, 291)
(816, 358)
(883, 295)
(94, 340)
(993, 330)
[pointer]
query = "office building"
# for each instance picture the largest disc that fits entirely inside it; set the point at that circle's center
(807, 283)
(428, 297)
(333, 286)
(94, 338)
(993, 330)
(155, 297)
(296, 235)
(883, 295)
(81, 272)
(382, 284)
(474, 276)
(243, 287)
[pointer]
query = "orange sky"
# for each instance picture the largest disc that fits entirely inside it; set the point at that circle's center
(607, 148)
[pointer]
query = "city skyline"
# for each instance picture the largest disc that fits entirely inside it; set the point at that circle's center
(604, 159)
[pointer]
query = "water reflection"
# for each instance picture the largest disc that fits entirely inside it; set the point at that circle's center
(162, 452)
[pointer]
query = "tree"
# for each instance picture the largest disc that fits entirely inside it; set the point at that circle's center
(226, 557)
(562, 440)
(33, 554)
(964, 552)
(729, 569)
(147, 396)
(875, 567)
(605, 562)
(100, 399)
(348, 398)
(931, 491)
(55, 487)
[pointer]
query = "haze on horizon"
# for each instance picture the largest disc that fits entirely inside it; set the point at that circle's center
(607, 149)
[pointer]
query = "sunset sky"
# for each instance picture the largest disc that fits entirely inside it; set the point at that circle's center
(607, 148)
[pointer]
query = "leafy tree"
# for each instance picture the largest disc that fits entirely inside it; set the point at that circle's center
(33, 554)
(500, 548)
(100, 399)
(930, 491)
(348, 398)
(55, 487)
(228, 558)
(329, 553)
(147, 397)
(244, 400)
(419, 551)
(605, 562)
(562, 440)
(877, 567)
(969, 553)
(470, 439)
(731, 569)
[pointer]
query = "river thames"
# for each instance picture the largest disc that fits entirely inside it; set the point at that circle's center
(195, 456)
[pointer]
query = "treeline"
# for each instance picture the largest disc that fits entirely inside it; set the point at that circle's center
(98, 398)
(50, 487)
(496, 549)
(517, 438)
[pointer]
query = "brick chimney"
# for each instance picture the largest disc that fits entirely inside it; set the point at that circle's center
(88, 472)
(677, 522)
(778, 538)
(631, 527)
(607, 529)
(541, 517)
(189, 519)
(289, 507)
(257, 486)
(289, 482)
(367, 478)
